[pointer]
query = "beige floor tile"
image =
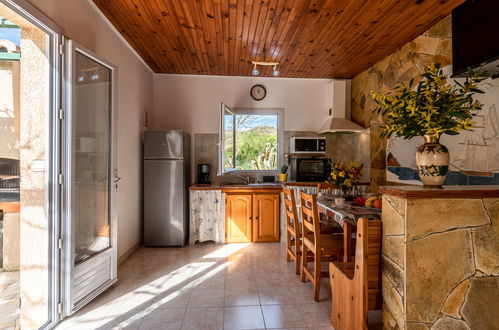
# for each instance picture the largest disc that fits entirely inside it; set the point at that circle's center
(248, 285)
(173, 298)
(241, 296)
(283, 316)
(207, 298)
(163, 319)
(203, 318)
(316, 314)
(243, 317)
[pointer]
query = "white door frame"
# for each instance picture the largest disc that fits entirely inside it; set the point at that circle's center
(68, 268)
(53, 151)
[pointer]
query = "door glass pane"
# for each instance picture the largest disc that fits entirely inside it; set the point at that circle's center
(92, 104)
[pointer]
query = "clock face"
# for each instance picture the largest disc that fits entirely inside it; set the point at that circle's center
(258, 92)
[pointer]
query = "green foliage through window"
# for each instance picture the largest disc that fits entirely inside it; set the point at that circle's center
(250, 142)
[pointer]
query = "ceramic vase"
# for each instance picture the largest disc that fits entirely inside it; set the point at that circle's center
(432, 161)
(283, 177)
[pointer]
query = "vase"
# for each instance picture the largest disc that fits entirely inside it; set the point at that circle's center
(432, 161)
(346, 192)
(283, 177)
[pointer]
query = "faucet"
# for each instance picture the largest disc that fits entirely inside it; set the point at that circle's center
(245, 179)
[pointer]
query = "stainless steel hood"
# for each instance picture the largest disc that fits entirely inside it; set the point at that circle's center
(340, 107)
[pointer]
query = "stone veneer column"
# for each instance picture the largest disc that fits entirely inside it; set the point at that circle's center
(440, 263)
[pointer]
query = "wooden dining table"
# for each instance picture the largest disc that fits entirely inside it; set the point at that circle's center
(346, 216)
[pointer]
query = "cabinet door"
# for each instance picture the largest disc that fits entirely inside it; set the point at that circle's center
(238, 218)
(266, 218)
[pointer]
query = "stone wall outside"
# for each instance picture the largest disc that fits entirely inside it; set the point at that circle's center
(433, 46)
(440, 265)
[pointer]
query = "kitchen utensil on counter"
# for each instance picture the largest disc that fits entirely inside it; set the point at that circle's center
(204, 174)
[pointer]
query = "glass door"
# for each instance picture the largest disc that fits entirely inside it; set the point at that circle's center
(90, 178)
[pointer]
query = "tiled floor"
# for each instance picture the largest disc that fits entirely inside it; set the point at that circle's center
(207, 286)
(9, 300)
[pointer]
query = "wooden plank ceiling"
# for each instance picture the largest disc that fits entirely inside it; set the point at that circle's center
(311, 39)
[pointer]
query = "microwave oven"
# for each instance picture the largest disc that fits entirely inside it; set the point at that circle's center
(307, 145)
(309, 169)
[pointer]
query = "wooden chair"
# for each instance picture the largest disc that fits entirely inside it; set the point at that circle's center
(356, 286)
(323, 186)
(293, 230)
(324, 247)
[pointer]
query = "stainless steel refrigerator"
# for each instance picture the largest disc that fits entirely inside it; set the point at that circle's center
(166, 181)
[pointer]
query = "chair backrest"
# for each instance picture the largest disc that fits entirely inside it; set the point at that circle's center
(290, 209)
(324, 186)
(368, 262)
(310, 216)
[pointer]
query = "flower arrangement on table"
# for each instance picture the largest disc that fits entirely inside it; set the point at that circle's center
(345, 174)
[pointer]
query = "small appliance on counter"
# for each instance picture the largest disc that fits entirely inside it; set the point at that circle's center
(309, 169)
(307, 145)
(204, 174)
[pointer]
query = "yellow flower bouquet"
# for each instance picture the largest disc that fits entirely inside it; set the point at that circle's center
(345, 174)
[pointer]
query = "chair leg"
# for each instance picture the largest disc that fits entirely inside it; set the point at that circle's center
(317, 275)
(298, 257)
(288, 246)
(304, 254)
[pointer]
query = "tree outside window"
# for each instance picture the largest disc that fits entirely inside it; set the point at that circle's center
(250, 142)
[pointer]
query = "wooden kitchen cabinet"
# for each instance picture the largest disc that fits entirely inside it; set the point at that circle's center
(252, 217)
(238, 214)
(266, 218)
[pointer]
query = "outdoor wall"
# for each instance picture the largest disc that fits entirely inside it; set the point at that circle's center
(433, 46)
(83, 23)
(9, 109)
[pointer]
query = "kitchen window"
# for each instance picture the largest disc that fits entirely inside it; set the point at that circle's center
(250, 140)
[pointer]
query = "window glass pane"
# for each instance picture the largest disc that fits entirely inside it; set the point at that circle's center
(256, 142)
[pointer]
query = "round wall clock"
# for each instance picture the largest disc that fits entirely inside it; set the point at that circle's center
(258, 92)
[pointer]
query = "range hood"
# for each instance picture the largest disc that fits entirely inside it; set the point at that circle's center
(339, 94)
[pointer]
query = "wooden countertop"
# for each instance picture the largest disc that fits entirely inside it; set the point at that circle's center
(414, 192)
(238, 187)
(277, 185)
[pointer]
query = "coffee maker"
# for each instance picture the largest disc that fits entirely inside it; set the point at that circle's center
(204, 174)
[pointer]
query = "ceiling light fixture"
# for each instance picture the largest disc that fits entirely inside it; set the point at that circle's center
(256, 72)
(275, 72)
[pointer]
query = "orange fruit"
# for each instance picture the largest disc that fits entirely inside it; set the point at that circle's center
(377, 203)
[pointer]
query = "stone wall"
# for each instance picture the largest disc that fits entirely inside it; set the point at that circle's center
(433, 46)
(440, 263)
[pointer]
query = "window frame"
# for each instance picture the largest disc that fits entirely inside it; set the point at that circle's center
(251, 111)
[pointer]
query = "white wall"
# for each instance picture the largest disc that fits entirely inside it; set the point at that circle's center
(83, 23)
(192, 103)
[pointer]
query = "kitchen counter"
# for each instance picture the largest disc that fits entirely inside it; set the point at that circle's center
(269, 185)
(418, 192)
